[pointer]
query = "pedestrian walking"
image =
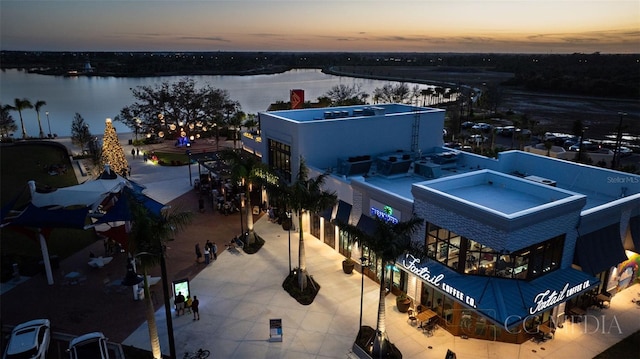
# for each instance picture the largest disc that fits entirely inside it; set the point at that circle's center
(137, 152)
(195, 308)
(214, 250)
(133, 153)
(198, 253)
(207, 255)
(179, 302)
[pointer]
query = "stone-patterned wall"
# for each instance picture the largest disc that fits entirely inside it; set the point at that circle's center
(498, 239)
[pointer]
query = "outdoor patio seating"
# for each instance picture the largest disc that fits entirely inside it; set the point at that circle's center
(412, 317)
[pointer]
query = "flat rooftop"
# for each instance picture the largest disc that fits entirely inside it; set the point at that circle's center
(498, 193)
(348, 112)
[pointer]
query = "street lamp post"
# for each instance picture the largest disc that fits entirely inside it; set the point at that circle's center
(363, 265)
(189, 165)
(49, 123)
(289, 233)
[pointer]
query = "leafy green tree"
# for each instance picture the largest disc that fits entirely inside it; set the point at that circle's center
(248, 170)
(390, 93)
(147, 241)
(7, 123)
(19, 105)
(80, 134)
(38, 105)
(346, 95)
(178, 108)
(235, 124)
(305, 194)
(388, 241)
(251, 123)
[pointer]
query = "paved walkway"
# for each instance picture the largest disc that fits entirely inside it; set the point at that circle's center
(239, 293)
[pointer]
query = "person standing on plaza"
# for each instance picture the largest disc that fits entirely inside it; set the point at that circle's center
(179, 302)
(214, 250)
(198, 253)
(195, 308)
(207, 255)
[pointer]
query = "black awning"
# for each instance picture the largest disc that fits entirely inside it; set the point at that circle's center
(367, 225)
(598, 251)
(344, 212)
(634, 225)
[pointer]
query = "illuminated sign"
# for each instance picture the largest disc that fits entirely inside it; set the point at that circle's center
(386, 214)
(549, 298)
(439, 281)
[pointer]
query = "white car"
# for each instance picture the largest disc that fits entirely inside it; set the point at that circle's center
(90, 345)
(29, 340)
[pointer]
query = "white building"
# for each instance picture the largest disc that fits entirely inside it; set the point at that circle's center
(514, 242)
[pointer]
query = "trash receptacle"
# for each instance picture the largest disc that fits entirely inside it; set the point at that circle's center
(131, 142)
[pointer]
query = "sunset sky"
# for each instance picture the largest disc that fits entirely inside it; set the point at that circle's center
(514, 26)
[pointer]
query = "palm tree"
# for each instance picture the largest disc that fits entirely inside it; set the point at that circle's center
(248, 170)
(388, 241)
(19, 105)
(37, 106)
(306, 194)
(149, 233)
(7, 124)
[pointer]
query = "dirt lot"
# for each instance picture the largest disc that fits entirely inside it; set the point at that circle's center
(555, 113)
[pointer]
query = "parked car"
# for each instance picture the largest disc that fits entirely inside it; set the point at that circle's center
(482, 127)
(29, 340)
(625, 151)
(586, 145)
(505, 131)
(467, 124)
(477, 138)
(90, 345)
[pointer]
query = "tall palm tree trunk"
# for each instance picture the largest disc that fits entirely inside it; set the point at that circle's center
(40, 126)
(151, 320)
(252, 236)
(24, 130)
(302, 260)
(381, 341)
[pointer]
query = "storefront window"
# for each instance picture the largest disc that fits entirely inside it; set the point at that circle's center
(443, 246)
(329, 234)
(449, 249)
(344, 242)
(280, 158)
(315, 225)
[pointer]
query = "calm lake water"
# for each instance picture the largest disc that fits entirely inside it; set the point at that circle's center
(98, 98)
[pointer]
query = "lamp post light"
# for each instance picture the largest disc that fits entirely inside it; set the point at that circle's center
(189, 165)
(49, 123)
(616, 152)
(363, 264)
(289, 233)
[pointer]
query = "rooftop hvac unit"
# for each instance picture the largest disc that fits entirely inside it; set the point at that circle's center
(541, 180)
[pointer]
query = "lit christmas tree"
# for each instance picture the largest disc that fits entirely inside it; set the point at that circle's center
(112, 152)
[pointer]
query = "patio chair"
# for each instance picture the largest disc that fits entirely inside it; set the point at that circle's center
(412, 317)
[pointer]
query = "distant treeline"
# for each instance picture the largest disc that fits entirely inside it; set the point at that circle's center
(602, 75)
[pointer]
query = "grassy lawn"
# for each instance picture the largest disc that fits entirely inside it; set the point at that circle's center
(21, 163)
